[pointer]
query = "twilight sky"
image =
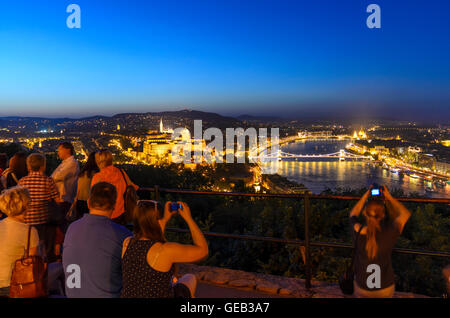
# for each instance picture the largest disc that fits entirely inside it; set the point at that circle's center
(267, 57)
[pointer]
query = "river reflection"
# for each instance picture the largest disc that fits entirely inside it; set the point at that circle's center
(320, 175)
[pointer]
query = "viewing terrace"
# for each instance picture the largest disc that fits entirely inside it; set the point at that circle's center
(222, 282)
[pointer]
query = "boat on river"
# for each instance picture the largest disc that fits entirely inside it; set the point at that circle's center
(439, 184)
(430, 190)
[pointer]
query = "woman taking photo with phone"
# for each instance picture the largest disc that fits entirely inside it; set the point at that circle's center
(375, 239)
(148, 259)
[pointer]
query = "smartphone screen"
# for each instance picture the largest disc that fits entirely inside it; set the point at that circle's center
(375, 192)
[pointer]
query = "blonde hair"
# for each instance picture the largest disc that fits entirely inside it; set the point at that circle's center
(103, 158)
(14, 201)
(374, 213)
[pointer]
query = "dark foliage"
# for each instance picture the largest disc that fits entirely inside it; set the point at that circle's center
(428, 228)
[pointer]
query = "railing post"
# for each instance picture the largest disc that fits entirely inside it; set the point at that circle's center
(156, 192)
(307, 246)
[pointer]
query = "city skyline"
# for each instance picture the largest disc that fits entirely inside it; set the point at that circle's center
(288, 59)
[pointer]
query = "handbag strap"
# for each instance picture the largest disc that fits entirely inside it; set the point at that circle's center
(27, 251)
(14, 177)
(123, 175)
(355, 245)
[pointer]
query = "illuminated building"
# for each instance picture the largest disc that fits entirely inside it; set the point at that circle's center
(442, 167)
(161, 128)
(414, 149)
(426, 161)
(379, 150)
(157, 149)
(360, 135)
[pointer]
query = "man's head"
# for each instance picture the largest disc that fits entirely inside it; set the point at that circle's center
(36, 162)
(102, 199)
(65, 150)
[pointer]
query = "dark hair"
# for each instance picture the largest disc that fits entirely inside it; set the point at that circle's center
(18, 164)
(3, 160)
(103, 196)
(36, 161)
(146, 223)
(67, 145)
(90, 167)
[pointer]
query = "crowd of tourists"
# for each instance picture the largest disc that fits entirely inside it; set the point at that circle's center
(77, 220)
(37, 215)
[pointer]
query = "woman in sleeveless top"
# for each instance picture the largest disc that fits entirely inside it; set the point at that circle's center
(148, 259)
(374, 276)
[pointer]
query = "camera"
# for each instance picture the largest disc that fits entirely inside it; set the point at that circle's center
(174, 206)
(376, 193)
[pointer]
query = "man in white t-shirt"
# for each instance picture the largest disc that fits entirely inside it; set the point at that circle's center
(66, 174)
(66, 179)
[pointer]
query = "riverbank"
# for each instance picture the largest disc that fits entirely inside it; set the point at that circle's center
(319, 175)
(279, 184)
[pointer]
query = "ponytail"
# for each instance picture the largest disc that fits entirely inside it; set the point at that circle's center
(374, 213)
(373, 225)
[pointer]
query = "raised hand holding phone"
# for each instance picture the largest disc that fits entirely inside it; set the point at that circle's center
(376, 192)
(386, 192)
(175, 207)
(185, 211)
(168, 212)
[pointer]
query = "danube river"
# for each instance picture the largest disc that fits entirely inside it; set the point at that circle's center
(331, 173)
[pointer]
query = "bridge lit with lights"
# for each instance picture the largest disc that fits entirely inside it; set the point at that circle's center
(341, 155)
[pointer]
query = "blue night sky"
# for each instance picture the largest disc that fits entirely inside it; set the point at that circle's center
(266, 57)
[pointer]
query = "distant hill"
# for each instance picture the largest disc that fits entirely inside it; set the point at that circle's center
(25, 119)
(186, 113)
(184, 118)
(137, 120)
(94, 117)
(260, 118)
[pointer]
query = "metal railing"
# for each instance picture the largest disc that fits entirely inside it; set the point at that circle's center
(306, 243)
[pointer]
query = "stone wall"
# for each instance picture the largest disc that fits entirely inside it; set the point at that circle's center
(271, 284)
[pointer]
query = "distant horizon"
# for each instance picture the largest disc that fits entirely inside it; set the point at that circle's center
(311, 117)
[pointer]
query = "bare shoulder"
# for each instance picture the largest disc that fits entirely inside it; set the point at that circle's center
(171, 245)
(155, 251)
(127, 240)
(125, 243)
(170, 248)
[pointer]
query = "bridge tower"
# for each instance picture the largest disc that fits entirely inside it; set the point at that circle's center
(342, 155)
